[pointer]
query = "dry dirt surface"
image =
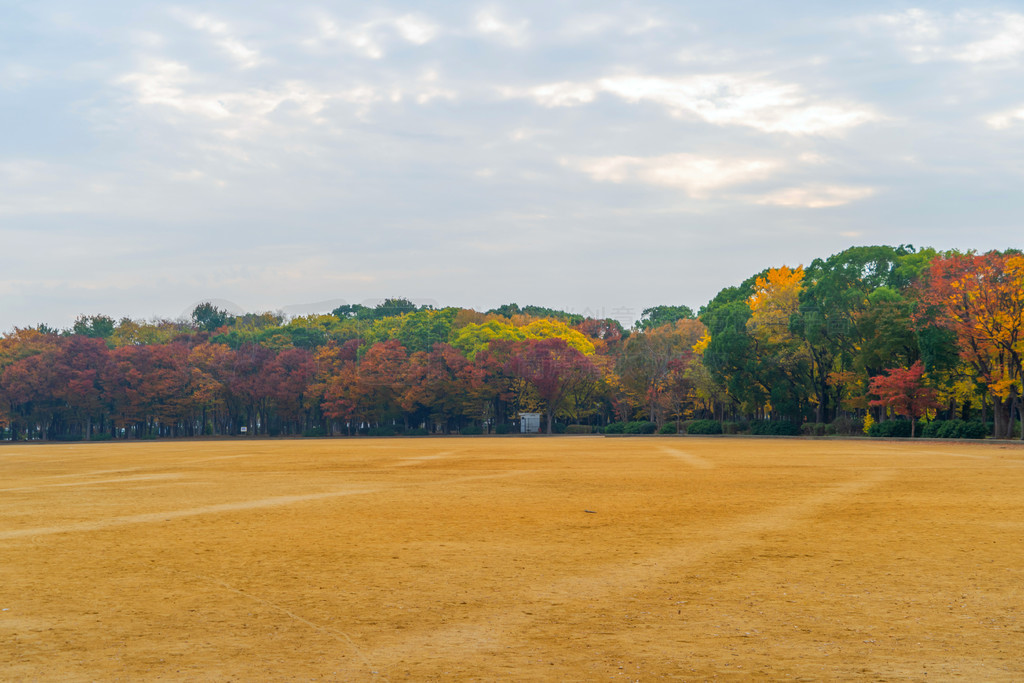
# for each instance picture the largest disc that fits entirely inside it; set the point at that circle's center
(519, 559)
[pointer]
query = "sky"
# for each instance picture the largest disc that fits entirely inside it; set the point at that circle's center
(597, 157)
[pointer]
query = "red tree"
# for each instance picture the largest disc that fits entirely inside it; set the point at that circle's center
(903, 390)
(552, 367)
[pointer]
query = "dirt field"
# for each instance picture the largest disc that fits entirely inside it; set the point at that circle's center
(565, 559)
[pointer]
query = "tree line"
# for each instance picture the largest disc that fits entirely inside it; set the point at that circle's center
(870, 336)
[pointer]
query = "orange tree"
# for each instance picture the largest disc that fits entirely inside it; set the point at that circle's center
(981, 298)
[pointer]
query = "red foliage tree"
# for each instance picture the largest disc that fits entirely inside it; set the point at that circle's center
(903, 391)
(552, 367)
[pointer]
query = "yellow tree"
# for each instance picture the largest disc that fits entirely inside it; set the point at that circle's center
(781, 361)
(981, 298)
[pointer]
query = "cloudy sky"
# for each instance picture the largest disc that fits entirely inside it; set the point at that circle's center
(599, 157)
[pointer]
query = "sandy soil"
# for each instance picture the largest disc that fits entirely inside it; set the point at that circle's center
(565, 559)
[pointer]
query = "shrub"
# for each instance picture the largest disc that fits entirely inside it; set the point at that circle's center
(869, 422)
(558, 428)
(380, 431)
(578, 429)
(954, 429)
(668, 428)
(890, 429)
(66, 437)
(471, 430)
(640, 427)
(503, 428)
(814, 428)
(615, 428)
(314, 432)
(417, 431)
(704, 427)
(847, 426)
(734, 427)
(775, 428)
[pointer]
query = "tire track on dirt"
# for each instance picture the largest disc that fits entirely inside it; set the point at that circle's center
(274, 501)
(495, 630)
(141, 477)
(337, 634)
(689, 458)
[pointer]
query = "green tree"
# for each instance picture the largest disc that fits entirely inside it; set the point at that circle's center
(656, 316)
(208, 317)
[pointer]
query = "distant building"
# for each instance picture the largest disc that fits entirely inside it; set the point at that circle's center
(529, 423)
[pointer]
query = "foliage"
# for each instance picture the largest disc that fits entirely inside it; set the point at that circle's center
(579, 429)
(656, 316)
(704, 427)
(845, 335)
(615, 428)
(208, 317)
(847, 426)
(903, 392)
(980, 297)
(814, 429)
(954, 429)
(640, 427)
(891, 429)
(775, 428)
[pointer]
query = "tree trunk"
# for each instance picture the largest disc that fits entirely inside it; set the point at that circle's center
(550, 414)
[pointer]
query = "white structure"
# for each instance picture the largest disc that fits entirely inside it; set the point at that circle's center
(529, 423)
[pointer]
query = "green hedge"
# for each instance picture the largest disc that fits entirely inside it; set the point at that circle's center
(775, 428)
(890, 429)
(954, 429)
(704, 427)
(668, 428)
(641, 427)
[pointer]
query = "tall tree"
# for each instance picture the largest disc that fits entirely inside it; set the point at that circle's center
(552, 368)
(981, 298)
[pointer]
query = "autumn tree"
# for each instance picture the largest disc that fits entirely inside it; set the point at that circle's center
(649, 360)
(981, 298)
(552, 368)
(903, 391)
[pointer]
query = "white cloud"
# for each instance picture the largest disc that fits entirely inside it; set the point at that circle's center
(245, 114)
(695, 175)
(1006, 119)
(719, 99)
(242, 54)
(488, 23)
(968, 36)
(163, 83)
(1006, 43)
(369, 38)
(815, 196)
(566, 94)
(591, 25)
(415, 29)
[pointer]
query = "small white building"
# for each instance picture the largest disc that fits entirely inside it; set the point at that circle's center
(529, 423)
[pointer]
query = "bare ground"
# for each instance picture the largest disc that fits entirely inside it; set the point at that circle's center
(565, 559)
